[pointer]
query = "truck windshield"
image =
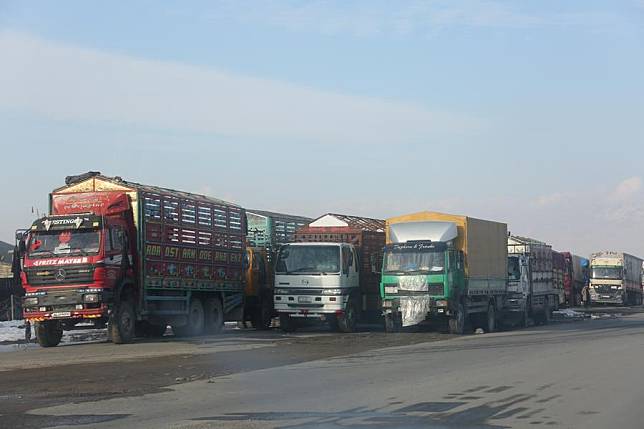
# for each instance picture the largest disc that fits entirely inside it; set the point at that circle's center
(308, 260)
(412, 262)
(514, 268)
(614, 273)
(61, 243)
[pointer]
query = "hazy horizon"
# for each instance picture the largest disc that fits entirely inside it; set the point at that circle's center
(531, 113)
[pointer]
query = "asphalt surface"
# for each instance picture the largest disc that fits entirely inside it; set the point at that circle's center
(566, 375)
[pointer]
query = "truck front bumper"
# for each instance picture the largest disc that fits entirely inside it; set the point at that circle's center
(66, 304)
(310, 305)
(606, 299)
(437, 306)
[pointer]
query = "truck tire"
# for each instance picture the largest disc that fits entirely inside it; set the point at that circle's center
(392, 323)
(49, 333)
(196, 320)
(490, 325)
(287, 323)
(122, 323)
(458, 320)
(348, 319)
(213, 316)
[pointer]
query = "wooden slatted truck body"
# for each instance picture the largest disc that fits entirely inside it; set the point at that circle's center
(136, 257)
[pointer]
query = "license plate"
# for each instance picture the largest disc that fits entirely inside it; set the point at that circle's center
(606, 296)
(61, 314)
(305, 299)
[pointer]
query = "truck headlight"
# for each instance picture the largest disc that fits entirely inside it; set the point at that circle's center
(30, 302)
(90, 297)
(391, 289)
(282, 292)
(331, 291)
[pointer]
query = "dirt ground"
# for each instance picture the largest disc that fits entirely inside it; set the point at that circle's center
(34, 378)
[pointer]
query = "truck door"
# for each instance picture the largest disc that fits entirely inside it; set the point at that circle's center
(114, 250)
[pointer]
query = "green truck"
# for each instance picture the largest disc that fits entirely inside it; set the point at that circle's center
(446, 268)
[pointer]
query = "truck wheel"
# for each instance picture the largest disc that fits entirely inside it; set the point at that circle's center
(122, 323)
(391, 323)
(458, 320)
(490, 326)
(347, 321)
(287, 324)
(213, 316)
(196, 318)
(49, 333)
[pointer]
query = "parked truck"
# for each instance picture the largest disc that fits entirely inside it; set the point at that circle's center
(444, 267)
(558, 274)
(327, 273)
(576, 275)
(615, 278)
(531, 290)
(267, 231)
(134, 256)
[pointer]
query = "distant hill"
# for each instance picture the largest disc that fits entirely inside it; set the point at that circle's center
(5, 248)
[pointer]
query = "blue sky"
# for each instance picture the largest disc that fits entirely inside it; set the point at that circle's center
(526, 112)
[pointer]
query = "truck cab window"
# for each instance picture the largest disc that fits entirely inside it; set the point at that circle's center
(116, 239)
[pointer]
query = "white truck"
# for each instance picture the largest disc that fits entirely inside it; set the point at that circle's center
(615, 278)
(531, 292)
(327, 274)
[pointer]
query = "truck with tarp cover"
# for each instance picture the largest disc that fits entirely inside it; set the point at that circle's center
(444, 267)
(615, 278)
(135, 257)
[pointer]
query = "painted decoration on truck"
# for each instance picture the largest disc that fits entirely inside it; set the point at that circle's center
(192, 243)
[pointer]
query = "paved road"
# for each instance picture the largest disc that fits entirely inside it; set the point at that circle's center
(570, 375)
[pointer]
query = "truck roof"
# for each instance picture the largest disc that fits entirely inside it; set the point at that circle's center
(353, 222)
(316, 243)
(91, 181)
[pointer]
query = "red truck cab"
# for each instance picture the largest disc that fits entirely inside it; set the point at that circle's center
(75, 260)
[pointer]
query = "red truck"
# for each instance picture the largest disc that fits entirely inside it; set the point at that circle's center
(576, 275)
(134, 257)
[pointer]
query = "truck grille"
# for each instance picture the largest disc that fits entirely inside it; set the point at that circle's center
(435, 289)
(604, 289)
(60, 275)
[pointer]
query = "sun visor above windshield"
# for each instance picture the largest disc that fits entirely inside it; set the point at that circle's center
(61, 223)
(428, 230)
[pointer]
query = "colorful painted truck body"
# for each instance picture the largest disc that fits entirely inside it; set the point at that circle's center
(136, 257)
(615, 278)
(444, 267)
(531, 288)
(327, 274)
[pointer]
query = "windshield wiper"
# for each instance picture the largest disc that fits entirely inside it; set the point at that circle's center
(41, 253)
(299, 270)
